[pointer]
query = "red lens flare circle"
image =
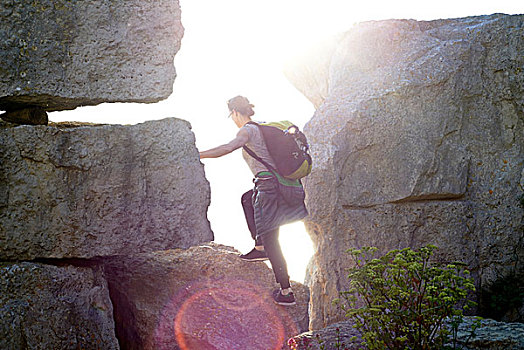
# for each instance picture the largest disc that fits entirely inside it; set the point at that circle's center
(231, 315)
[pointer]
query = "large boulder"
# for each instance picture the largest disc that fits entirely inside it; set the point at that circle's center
(201, 298)
(60, 54)
(50, 307)
(417, 139)
(488, 335)
(88, 191)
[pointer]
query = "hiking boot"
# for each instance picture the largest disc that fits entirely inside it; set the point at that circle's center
(254, 255)
(282, 299)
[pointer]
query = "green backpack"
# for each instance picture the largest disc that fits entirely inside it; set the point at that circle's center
(287, 146)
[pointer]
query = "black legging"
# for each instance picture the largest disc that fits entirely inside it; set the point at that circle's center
(249, 213)
(274, 253)
(268, 240)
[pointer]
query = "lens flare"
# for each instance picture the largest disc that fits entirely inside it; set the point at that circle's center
(223, 314)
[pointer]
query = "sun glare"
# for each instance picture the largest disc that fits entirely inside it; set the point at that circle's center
(297, 248)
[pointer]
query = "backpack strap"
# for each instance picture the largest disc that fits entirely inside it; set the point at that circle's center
(254, 155)
(282, 180)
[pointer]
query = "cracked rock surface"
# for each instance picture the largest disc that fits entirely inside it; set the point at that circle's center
(50, 307)
(60, 54)
(204, 297)
(418, 138)
(100, 190)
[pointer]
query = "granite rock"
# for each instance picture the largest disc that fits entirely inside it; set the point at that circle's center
(49, 307)
(201, 298)
(419, 139)
(100, 190)
(59, 54)
(489, 335)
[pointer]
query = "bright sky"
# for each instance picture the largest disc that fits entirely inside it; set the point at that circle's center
(233, 47)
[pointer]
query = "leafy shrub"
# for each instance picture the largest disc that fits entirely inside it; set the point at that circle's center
(403, 300)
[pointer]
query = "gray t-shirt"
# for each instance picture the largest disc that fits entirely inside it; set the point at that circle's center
(256, 144)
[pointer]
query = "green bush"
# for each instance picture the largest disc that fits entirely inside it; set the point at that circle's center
(403, 300)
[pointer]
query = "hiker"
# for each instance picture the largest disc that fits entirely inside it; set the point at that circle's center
(274, 201)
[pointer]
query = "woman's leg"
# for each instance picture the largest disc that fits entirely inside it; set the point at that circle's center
(278, 262)
(249, 213)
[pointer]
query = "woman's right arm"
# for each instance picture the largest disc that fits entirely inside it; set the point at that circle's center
(240, 140)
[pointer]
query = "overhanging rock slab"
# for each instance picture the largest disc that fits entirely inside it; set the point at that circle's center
(61, 54)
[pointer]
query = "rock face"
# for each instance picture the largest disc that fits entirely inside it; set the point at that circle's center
(106, 190)
(491, 335)
(201, 298)
(49, 307)
(335, 336)
(63, 54)
(419, 139)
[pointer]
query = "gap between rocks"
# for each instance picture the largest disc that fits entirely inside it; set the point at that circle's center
(123, 318)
